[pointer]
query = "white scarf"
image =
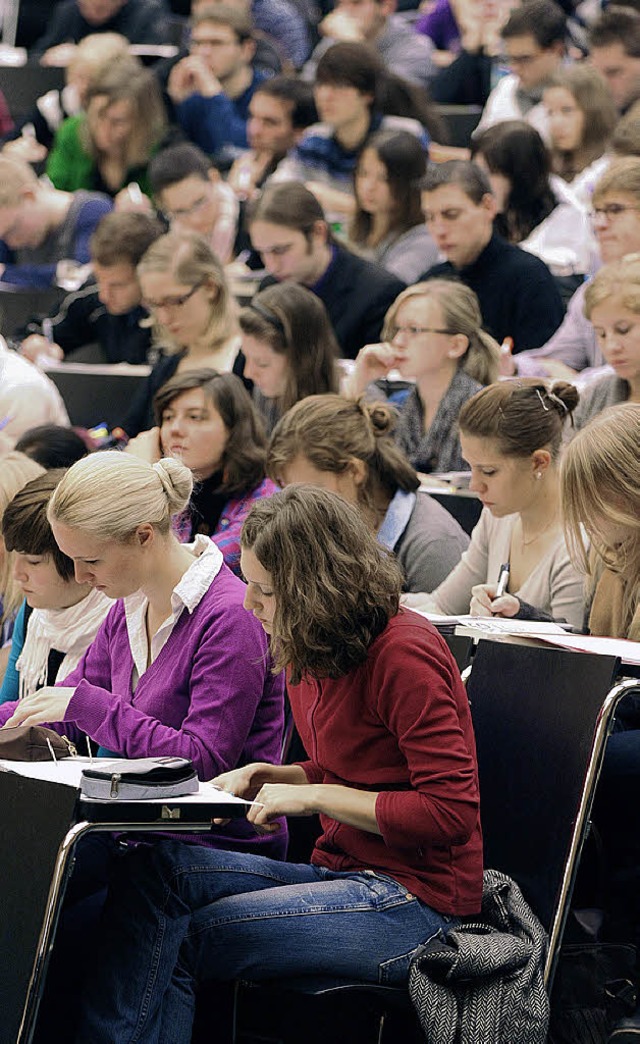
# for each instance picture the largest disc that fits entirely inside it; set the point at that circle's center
(69, 631)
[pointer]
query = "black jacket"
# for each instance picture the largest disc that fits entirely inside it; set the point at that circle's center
(357, 295)
(518, 296)
(83, 319)
(141, 21)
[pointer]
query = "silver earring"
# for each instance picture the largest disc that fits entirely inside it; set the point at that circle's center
(538, 474)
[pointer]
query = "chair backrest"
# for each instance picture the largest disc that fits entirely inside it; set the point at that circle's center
(22, 305)
(22, 85)
(541, 718)
(94, 394)
(460, 122)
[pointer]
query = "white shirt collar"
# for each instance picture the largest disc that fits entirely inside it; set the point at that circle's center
(187, 594)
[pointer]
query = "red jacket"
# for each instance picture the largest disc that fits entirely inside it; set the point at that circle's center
(400, 724)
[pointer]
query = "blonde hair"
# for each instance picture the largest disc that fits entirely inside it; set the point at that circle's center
(619, 279)
(110, 494)
(600, 481)
(15, 175)
(191, 262)
(622, 176)
(460, 315)
(96, 52)
(126, 79)
(16, 470)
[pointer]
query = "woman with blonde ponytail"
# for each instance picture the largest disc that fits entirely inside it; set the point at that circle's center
(178, 667)
(432, 334)
(348, 447)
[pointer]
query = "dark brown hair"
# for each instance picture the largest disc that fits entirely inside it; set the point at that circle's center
(290, 205)
(405, 162)
(243, 459)
(330, 431)
(25, 526)
(335, 586)
(294, 323)
(522, 415)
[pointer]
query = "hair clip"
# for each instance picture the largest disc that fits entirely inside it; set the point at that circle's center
(556, 398)
(542, 402)
(268, 316)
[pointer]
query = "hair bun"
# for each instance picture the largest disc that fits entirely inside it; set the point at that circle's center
(177, 483)
(383, 417)
(568, 395)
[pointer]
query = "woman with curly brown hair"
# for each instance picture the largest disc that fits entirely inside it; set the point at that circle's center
(379, 703)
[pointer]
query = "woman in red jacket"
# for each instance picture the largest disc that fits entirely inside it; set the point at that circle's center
(381, 709)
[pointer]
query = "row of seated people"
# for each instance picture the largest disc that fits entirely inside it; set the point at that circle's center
(312, 564)
(316, 287)
(432, 333)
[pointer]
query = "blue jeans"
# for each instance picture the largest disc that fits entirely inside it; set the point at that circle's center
(178, 914)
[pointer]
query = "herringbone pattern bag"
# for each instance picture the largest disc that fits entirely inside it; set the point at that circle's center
(484, 983)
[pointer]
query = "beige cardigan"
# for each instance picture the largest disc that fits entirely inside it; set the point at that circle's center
(554, 586)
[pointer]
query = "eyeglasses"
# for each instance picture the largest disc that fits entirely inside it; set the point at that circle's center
(176, 301)
(610, 210)
(183, 212)
(415, 331)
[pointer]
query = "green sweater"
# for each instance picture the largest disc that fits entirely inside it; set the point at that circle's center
(70, 166)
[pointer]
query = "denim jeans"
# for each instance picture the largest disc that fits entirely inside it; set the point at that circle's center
(178, 914)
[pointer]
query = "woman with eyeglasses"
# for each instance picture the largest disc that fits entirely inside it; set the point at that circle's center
(191, 314)
(433, 335)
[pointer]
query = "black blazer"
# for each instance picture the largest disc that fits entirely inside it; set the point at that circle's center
(357, 295)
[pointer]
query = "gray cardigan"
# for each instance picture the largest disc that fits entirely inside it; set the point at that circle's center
(608, 391)
(430, 546)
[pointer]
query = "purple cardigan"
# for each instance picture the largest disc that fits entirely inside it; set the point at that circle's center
(209, 695)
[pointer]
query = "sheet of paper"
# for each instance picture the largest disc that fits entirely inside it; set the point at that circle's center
(629, 652)
(68, 771)
(501, 625)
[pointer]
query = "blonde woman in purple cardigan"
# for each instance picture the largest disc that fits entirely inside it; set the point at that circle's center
(178, 667)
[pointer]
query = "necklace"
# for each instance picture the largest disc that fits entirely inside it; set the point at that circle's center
(525, 543)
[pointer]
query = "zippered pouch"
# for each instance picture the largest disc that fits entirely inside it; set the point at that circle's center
(139, 779)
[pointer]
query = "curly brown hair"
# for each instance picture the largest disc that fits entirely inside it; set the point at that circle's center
(335, 586)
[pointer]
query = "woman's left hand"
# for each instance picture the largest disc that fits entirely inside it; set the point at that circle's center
(146, 446)
(280, 799)
(48, 704)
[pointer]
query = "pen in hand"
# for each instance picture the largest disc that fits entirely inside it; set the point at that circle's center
(503, 580)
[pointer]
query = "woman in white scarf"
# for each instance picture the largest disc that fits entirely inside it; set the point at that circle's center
(60, 617)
